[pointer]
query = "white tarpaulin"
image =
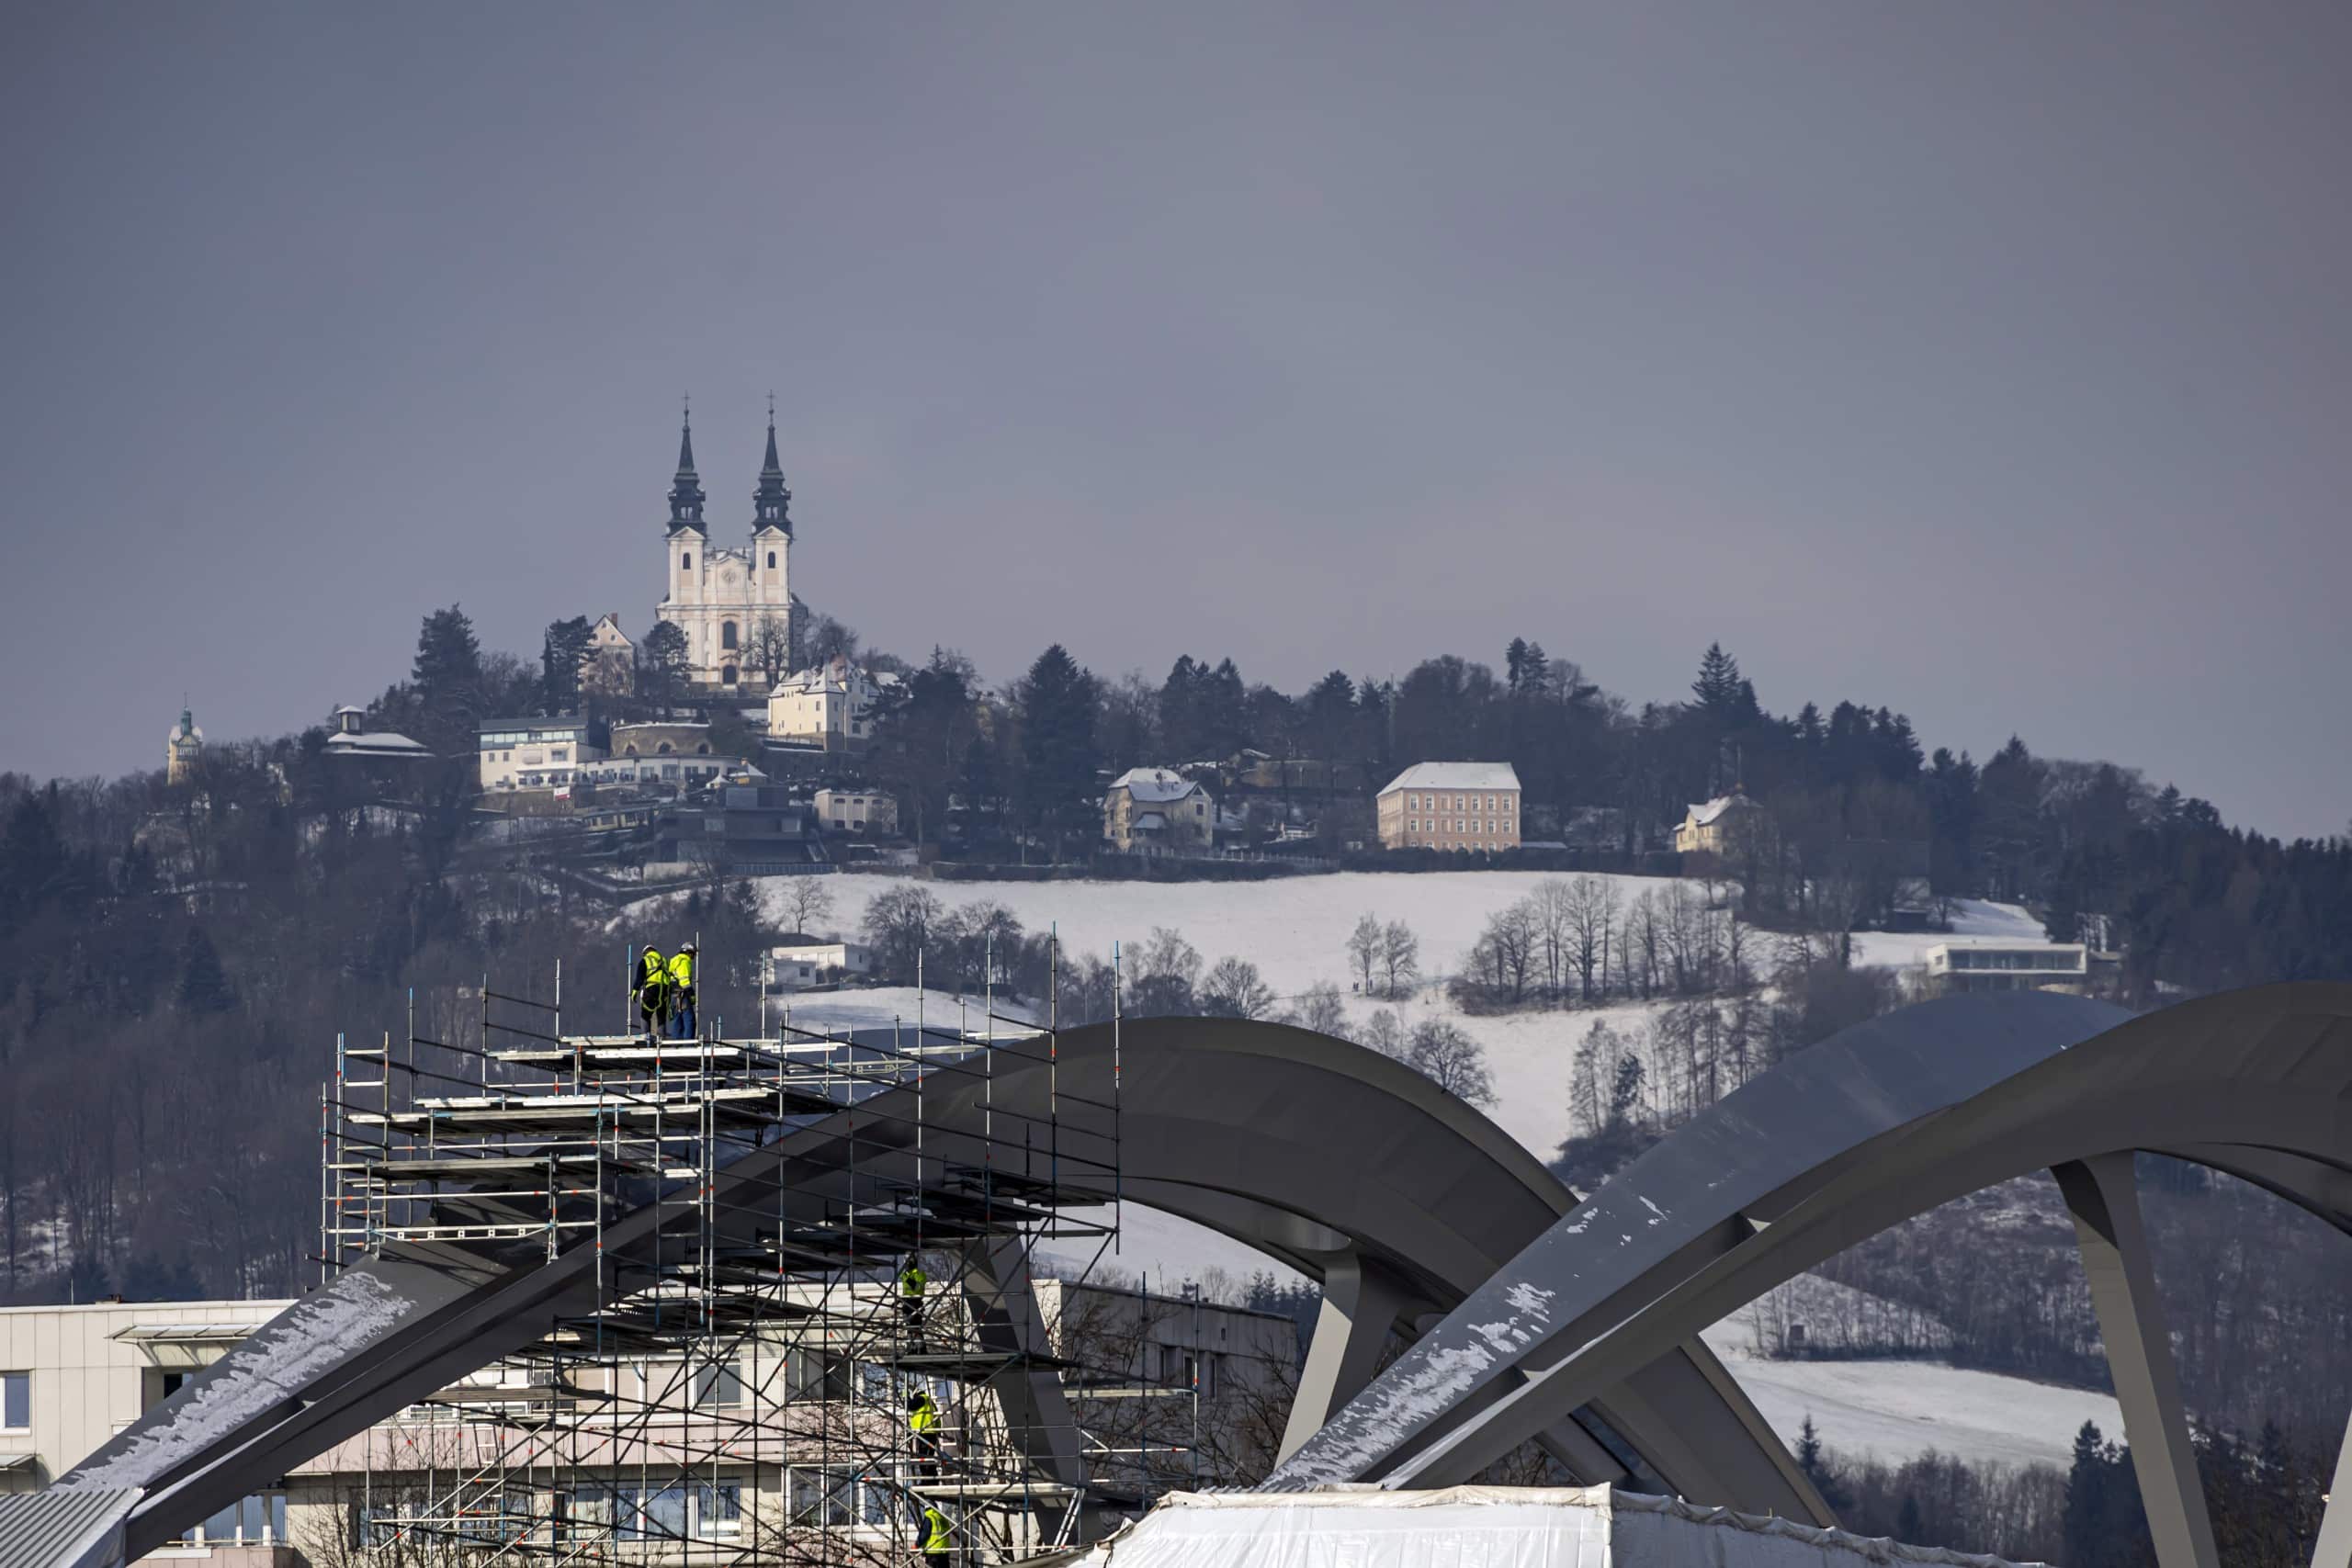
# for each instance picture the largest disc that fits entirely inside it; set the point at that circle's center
(1481, 1526)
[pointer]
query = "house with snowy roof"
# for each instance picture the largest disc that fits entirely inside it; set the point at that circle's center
(1466, 807)
(1713, 826)
(1159, 811)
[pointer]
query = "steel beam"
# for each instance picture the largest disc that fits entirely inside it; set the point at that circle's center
(2103, 1195)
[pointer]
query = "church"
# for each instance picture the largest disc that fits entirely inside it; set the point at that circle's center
(733, 604)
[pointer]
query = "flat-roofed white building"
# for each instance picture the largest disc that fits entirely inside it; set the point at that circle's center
(1467, 806)
(816, 964)
(532, 753)
(858, 810)
(1988, 963)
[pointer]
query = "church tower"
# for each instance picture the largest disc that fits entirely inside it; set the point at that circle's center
(771, 536)
(688, 565)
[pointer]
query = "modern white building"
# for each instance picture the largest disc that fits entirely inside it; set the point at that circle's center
(858, 810)
(1990, 963)
(1469, 807)
(830, 706)
(734, 604)
(816, 964)
(533, 753)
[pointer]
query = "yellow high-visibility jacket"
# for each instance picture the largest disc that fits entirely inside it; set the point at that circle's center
(681, 970)
(935, 1527)
(923, 1418)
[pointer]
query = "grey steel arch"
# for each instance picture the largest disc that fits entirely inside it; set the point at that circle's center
(1331, 1157)
(1880, 1124)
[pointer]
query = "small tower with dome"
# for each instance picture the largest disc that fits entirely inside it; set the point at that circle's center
(183, 749)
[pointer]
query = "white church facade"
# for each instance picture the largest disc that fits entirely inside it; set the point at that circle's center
(734, 603)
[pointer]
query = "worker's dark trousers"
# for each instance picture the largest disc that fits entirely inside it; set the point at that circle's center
(682, 1017)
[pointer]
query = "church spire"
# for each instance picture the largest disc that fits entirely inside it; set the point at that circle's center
(685, 491)
(771, 504)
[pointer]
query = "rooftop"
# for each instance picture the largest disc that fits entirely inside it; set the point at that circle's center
(1455, 775)
(1704, 812)
(1156, 786)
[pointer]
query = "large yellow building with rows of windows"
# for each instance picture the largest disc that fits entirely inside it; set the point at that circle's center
(1468, 806)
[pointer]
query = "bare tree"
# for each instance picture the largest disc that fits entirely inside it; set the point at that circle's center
(1400, 956)
(1384, 1032)
(1505, 948)
(806, 900)
(1234, 988)
(1591, 915)
(769, 649)
(1365, 944)
(1320, 1009)
(1550, 903)
(1448, 1057)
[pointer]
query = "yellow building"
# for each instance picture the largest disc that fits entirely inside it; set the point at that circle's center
(1155, 811)
(183, 749)
(1466, 807)
(1714, 827)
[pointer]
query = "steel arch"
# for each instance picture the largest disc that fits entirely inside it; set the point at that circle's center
(1882, 1123)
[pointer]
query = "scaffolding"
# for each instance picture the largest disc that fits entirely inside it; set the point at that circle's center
(750, 1382)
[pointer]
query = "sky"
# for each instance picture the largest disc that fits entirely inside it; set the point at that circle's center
(1990, 362)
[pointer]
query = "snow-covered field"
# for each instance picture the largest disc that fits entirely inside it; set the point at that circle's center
(1897, 1410)
(1296, 929)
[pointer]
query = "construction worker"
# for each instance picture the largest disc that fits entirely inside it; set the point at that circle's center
(922, 1421)
(911, 1282)
(681, 993)
(935, 1534)
(652, 988)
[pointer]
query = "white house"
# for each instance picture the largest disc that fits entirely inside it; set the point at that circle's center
(816, 964)
(532, 753)
(831, 706)
(858, 810)
(1988, 963)
(1157, 810)
(609, 667)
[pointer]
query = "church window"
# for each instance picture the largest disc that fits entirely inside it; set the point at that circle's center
(727, 633)
(686, 563)
(770, 560)
(727, 675)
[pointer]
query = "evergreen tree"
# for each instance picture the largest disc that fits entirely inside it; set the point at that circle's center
(1907, 1526)
(567, 644)
(661, 662)
(1717, 687)
(1058, 758)
(447, 675)
(1816, 1466)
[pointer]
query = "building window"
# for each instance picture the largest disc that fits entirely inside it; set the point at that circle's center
(727, 633)
(686, 563)
(770, 560)
(726, 674)
(15, 1401)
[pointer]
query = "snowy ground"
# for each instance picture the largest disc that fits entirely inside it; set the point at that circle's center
(1296, 929)
(1892, 1411)
(881, 1007)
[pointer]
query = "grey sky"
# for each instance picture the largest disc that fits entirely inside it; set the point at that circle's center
(1989, 361)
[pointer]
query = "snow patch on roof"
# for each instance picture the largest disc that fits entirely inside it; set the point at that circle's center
(1455, 775)
(1155, 786)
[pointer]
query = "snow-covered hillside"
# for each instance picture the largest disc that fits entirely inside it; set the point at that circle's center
(1295, 929)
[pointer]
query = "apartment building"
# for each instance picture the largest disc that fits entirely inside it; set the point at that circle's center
(1463, 807)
